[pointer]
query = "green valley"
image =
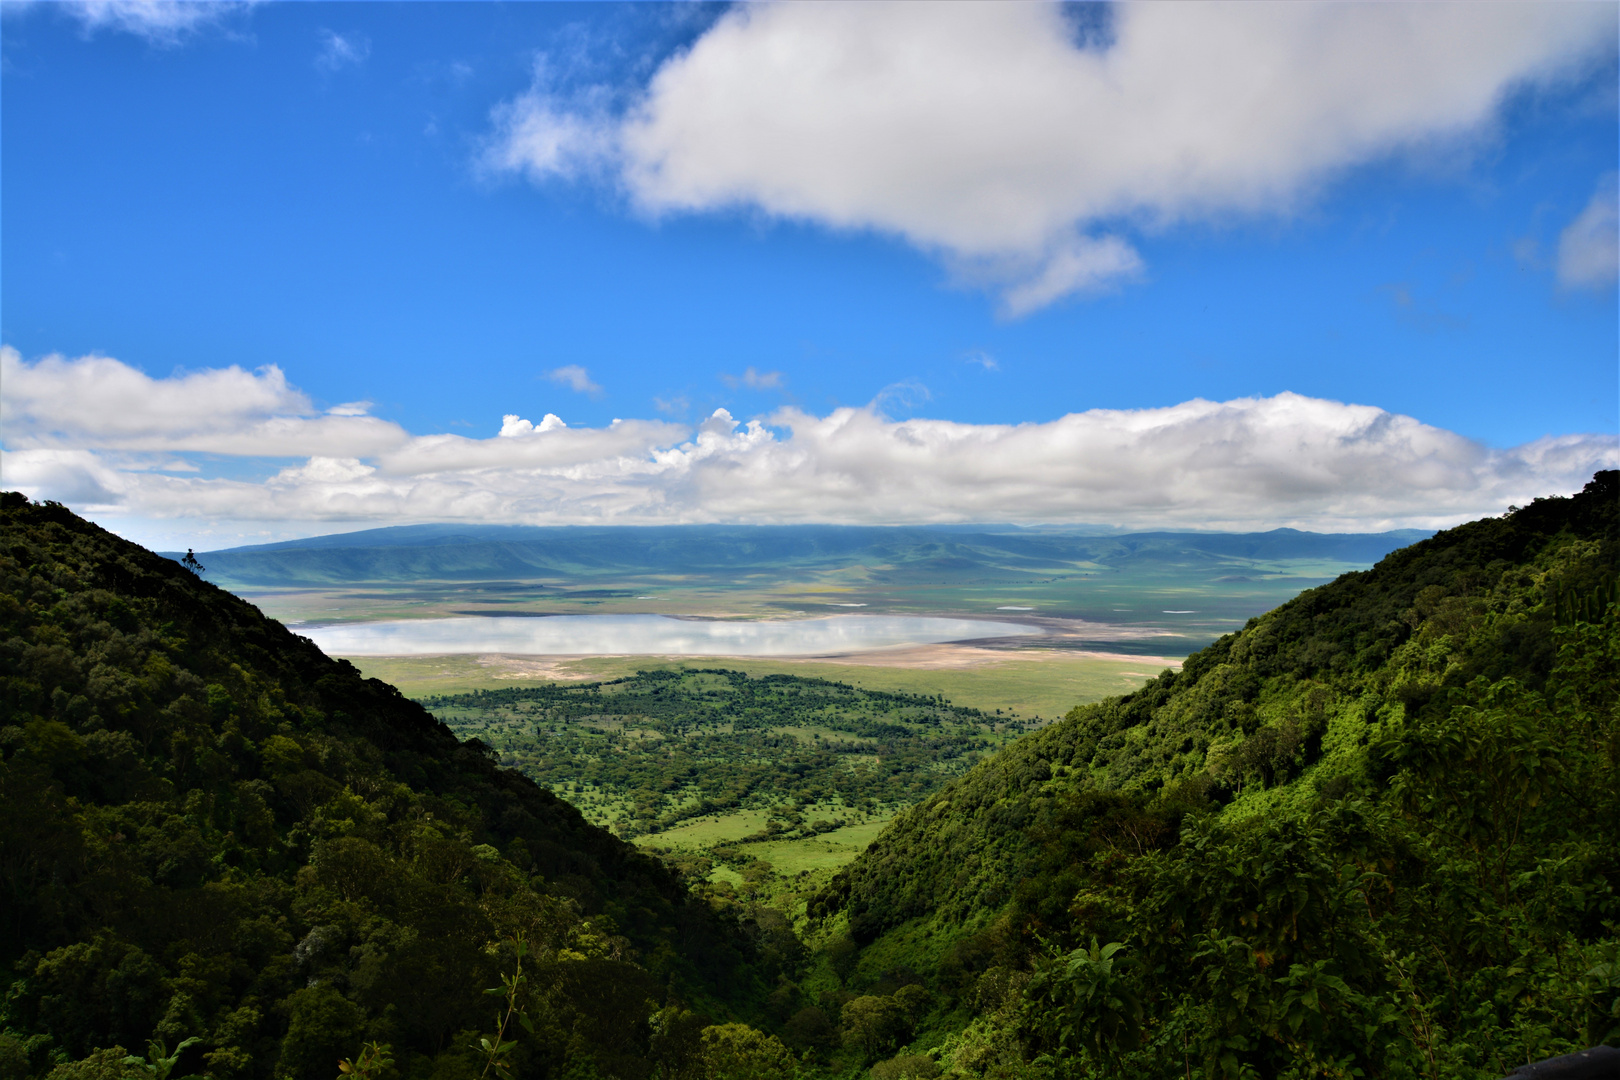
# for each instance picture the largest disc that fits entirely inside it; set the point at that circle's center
(1371, 833)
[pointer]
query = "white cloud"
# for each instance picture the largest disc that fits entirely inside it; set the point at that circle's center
(1589, 247)
(1248, 463)
(1077, 264)
(544, 138)
(513, 425)
(620, 445)
(754, 379)
(76, 477)
(575, 378)
(340, 51)
(986, 133)
(161, 22)
(99, 402)
(323, 470)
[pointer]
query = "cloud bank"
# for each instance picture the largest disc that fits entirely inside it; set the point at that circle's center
(102, 436)
(1021, 147)
(96, 402)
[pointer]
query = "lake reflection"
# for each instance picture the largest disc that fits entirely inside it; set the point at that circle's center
(596, 635)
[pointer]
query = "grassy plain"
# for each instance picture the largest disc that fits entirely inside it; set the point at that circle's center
(828, 851)
(1024, 683)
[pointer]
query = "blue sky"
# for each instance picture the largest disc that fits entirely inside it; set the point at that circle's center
(439, 215)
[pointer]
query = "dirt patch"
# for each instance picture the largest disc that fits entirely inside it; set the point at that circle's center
(541, 668)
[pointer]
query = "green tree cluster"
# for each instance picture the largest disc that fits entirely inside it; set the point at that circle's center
(651, 750)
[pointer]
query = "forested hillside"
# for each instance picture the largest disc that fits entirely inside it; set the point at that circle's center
(1377, 833)
(217, 842)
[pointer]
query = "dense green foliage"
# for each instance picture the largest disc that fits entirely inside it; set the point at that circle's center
(647, 752)
(1375, 833)
(215, 837)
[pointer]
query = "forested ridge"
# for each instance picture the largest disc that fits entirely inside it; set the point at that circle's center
(215, 838)
(1375, 833)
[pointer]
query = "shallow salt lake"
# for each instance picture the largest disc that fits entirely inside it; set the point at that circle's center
(599, 635)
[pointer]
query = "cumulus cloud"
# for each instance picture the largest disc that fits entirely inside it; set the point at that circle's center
(550, 445)
(102, 403)
(1589, 247)
(339, 51)
(1022, 151)
(513, 425)
(754, 379)
(77, 477)
(575, 378)
(1247, 463)
(161, 22)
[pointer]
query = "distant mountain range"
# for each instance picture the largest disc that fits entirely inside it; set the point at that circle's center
(893, 554)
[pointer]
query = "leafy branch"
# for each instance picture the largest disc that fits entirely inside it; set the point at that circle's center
(159, 1062)
(497, 1051)
(371, 1064)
